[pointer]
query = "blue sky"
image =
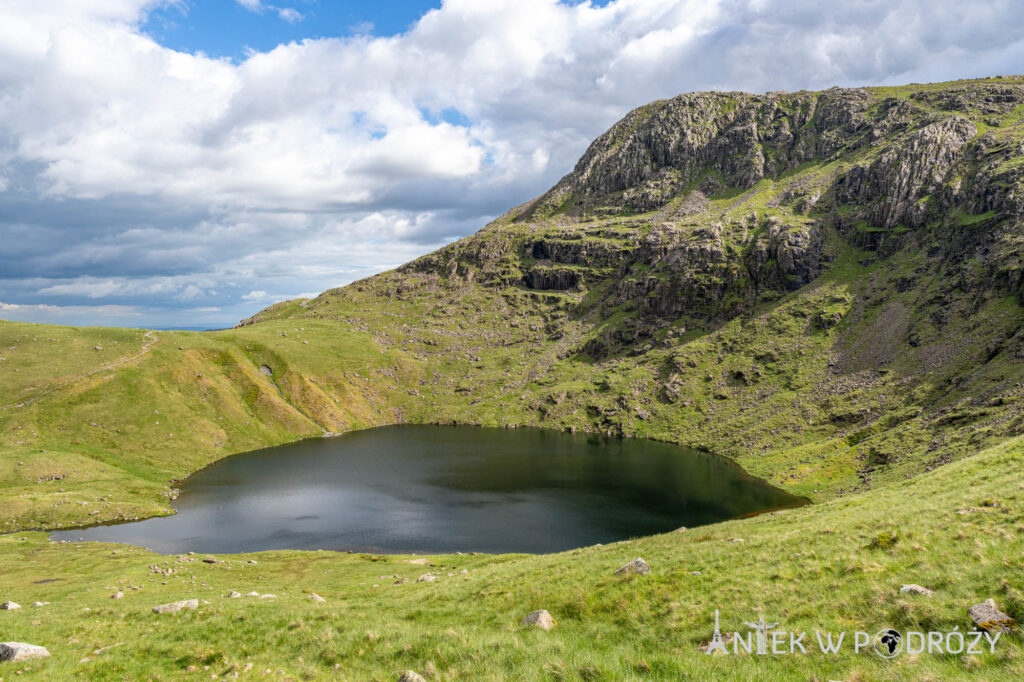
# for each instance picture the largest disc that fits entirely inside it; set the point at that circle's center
(190, 162)
(228, 28)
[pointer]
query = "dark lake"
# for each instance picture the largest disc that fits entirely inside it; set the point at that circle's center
(441, 489)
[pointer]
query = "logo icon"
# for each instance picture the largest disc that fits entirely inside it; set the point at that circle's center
(888, 643)
(716, 643)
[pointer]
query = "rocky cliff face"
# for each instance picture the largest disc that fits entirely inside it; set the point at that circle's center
(700, 208)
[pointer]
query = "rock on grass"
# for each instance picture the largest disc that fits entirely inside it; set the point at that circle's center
(19, 651)
(916, 590)
(410, 676)
(635, 567)
(9, 606)
(174, 607)
(987, 616)
(540, 619)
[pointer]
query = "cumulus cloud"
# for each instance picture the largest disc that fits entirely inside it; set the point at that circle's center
(137, 173)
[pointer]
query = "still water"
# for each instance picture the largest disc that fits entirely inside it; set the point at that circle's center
(440, 489)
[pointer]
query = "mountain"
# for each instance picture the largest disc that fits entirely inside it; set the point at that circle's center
(824, 286)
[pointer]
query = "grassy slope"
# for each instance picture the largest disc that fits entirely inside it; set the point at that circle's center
(89, 435)
(810, 569)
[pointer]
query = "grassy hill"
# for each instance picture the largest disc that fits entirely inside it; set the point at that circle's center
(825, 287)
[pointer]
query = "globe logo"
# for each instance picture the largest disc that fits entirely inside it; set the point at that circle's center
(888, 643)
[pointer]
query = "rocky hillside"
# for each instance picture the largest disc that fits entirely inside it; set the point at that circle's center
(824, 285)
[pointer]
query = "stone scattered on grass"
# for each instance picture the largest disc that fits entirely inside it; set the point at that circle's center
(268, 596)
(9, 606)
(20, 651)
(680, 529)
(117, 595)
(40, 603)
(635, 567)
(176, 606)
(211, 560)
(316, 597)
(410, 676)
(987, 616)
(540, 619)
(426, 578)
(914, 589)
(234, 595)
(735, 540)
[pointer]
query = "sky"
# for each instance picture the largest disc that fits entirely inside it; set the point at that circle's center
(186, 163)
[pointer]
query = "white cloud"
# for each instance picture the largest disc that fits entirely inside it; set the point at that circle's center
(200, 179)
(289, 14)
(252, 5)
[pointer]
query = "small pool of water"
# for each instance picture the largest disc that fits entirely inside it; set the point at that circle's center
(442, 489)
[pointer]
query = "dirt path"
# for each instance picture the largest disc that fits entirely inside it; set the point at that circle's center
(150, 338)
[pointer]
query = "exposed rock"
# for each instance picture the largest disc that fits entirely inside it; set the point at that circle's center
(313, 596)
(265, 369)
(211, 560)
(268, 596)
(117, 595)
(914, 589)
(234, 595)
(9, 606)
(40, 603)
(15, 652)
(253, 594)
(987, 616)
(892, 184)
(426, 578)
(635, 567)
(541, 619)
(174, 607)
(410, 676)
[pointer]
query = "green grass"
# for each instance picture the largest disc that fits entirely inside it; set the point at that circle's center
(809, 568)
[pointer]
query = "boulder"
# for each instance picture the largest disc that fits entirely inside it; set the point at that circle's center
(117, 595)
(636, 567)
(410, 676)
(9, 606)
(234, 595)
(916, 590)
(19, 651)
(426, 578)
(541, 619)
(987, 616)
(174, 607)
